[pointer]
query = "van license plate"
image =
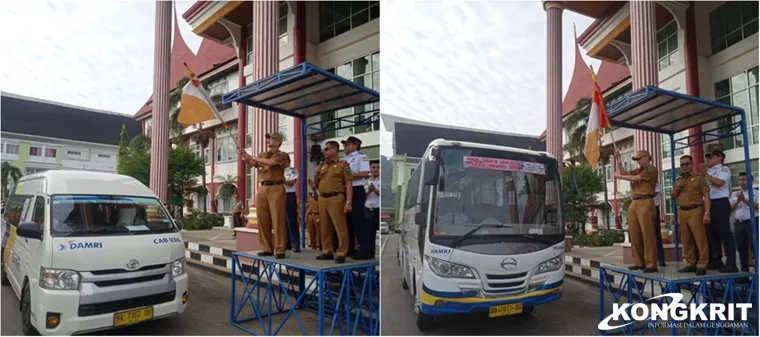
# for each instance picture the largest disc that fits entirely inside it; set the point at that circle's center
(132, 316)
(505, 310)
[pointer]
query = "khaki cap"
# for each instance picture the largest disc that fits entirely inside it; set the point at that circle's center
(640, 154)
(715, 149)
(274, 135)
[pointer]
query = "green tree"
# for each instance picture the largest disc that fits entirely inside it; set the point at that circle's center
(123, 148)
(580, 186)
(9, 173)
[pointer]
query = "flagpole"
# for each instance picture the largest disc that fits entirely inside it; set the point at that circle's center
(197, 83)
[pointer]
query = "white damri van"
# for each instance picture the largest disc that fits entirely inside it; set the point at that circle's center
(87, 251)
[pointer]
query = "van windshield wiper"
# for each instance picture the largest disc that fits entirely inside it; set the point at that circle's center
(98, 231)
(459, 240)
(538, 238)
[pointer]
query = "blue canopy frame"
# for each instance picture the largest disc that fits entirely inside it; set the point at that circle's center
(667, 112)
(304, 91)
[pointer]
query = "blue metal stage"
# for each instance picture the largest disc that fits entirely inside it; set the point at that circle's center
(666, 112)
(346, 293)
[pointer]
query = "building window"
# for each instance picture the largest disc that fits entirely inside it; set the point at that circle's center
(740, 90)
(207, 155)
(283, 19)
(105, 156)
(667, 44)
(667, 188)
(740, 167)
(627, 160)
(11, 148)
(249, 45)
(679, 136)
(74, 153)
(225, 145)
(50, 153)
(365, 71)
(608, 172)
(35, 151)
(338, 17)
(282, 125)
(732, 22)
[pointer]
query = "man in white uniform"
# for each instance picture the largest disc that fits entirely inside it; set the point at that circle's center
(372, 205)
(719, 234)
(357, 223)
(742, 226)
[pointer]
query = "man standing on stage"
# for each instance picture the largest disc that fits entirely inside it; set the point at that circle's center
(237, 213)
(357, 222)
(693, 194)
(270, 197)
(312, 222)
(742, 226)
(640, 213)
(372, 205)
(719, 229)
(333, 181)
(291, 208)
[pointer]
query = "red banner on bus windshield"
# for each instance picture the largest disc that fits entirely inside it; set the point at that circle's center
(503, 165)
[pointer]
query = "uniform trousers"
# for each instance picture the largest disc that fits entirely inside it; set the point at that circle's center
(719, 233)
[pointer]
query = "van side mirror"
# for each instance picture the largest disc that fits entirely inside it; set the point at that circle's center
(420, 218)
(430, 173)
(29, 230)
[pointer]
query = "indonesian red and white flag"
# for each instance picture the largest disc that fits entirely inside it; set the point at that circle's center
(196, 105)
(597, 121)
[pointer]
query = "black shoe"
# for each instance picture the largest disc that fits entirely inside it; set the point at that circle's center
(635, 268)
(650, 270)
(325, 257)
(662, 264)
(689, 269)
(297, 250)
(701, 271)
(714, 266)
(728, 269)
(279, 256)
(361, 257)
(340, 259)
(264, 253)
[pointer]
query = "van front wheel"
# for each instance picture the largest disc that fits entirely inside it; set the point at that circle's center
(26, 313)
(3, 276)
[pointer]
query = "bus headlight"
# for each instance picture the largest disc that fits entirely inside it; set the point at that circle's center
(447, 269)
(550, 265)
(178, 267)
(59, 279)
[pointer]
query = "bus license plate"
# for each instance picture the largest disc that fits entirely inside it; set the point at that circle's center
(132, 316)
(505, 310)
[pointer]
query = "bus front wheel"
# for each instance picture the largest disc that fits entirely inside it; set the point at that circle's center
(527, 312)
(424, 322)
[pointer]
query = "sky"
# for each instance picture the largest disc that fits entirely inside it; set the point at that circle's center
(475, 64)
(485, 68)
(95, 55)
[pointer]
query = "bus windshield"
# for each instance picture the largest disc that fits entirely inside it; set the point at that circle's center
(108, 215)
(484, 192)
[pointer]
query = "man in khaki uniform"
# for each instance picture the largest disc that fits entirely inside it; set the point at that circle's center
(641, 212)
(693, 194)
(270, 197)
(312, 221)
(333, 179)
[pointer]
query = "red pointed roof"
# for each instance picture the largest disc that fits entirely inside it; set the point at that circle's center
(210, 55)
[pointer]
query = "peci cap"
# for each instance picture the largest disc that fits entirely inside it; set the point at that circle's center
(640, 154)
(714, 149)
(352, 139)
(274, 135)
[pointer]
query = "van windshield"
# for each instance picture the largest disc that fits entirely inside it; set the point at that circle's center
(108, 215)
(489, 193)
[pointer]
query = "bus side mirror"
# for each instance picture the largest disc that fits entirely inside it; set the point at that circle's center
(430, 173)
(29, 230)
(420, 218)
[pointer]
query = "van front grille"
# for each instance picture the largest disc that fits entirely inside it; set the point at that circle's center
(129, 280)
(130, 303)
(119, 271)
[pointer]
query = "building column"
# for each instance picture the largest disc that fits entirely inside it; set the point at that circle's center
(645, 72)
(554, 78)
(299, 56)
(266, 61)
(692, 80)
(159, 149)
(241, 115)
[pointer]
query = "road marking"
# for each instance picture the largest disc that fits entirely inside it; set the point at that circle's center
(382, 246)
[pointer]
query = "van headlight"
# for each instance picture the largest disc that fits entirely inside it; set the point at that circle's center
(59, 279)
(550, 265)
(449, 270)
(178, 267)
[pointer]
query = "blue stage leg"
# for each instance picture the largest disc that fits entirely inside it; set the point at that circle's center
(232, 295)
(321, 299)
(673, 202)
